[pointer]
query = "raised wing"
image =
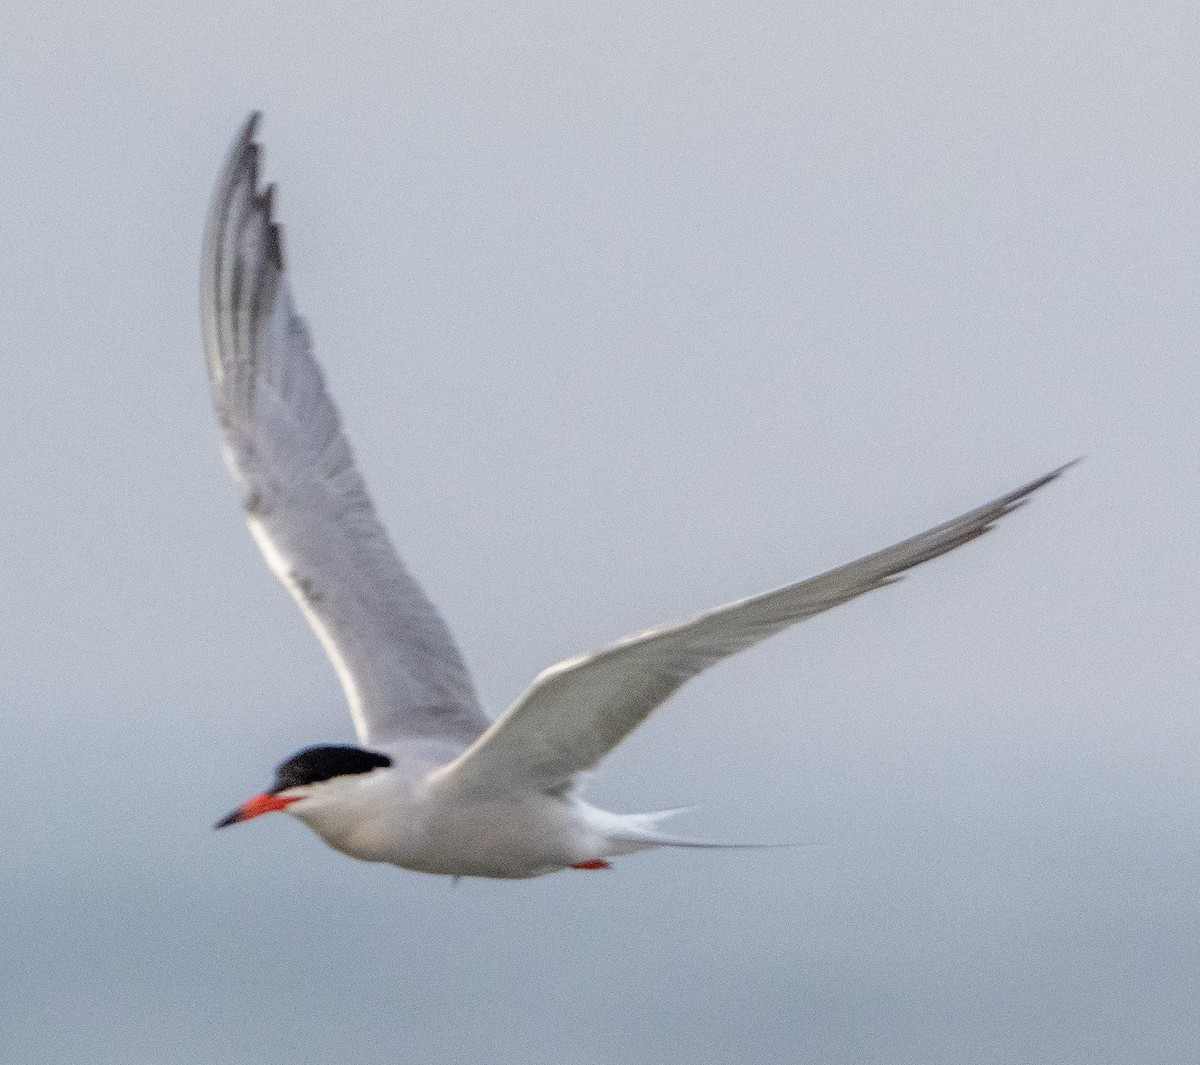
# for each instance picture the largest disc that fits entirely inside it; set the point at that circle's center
(579, 710)
(305, 502)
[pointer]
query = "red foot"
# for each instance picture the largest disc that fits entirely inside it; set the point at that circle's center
(595, 863)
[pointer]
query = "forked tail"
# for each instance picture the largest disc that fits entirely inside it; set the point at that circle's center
(639, 832)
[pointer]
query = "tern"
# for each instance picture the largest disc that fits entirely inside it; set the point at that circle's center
(434, 784)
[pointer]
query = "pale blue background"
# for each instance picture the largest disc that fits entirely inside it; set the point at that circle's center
(630, 309)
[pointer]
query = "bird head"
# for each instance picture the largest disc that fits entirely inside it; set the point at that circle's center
(311, 775)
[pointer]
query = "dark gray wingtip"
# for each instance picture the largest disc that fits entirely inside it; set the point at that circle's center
(1020, 496)
(1053, 475)
(246, 150)
(250, 127)
(265, 201)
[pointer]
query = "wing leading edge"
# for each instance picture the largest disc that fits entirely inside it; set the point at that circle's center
(577, 711)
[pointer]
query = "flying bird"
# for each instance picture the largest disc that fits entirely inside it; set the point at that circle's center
(434, 784)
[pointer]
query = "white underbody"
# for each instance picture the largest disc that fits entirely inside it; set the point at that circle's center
(403, 815)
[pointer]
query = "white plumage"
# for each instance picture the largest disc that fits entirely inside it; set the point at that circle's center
(459, 794)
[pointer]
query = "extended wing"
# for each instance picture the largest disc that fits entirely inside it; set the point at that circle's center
(579, 710)
(305, 502)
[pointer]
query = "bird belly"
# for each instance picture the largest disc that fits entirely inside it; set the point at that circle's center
(509, 839)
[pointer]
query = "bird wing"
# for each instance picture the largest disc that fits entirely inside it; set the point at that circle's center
(306, 504)
(577, 711)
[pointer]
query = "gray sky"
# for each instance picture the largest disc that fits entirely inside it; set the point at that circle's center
(630, 310)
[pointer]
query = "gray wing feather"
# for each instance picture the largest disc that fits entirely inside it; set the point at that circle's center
(306, 504)
(577, 711)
